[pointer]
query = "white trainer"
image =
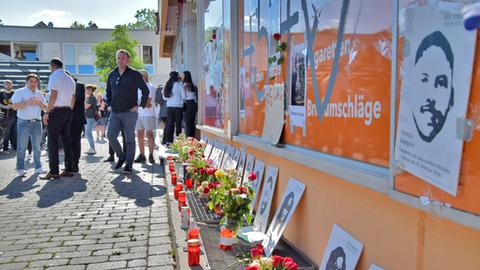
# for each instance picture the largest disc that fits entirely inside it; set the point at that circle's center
(40, 171)
(91, 151)
(21, 173)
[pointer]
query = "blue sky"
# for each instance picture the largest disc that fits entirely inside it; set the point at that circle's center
(105, 13)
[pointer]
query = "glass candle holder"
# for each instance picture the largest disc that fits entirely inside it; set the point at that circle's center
(189, 183)
(182, 200)
(226, 239)
(173, 178)
(178, 188)
(193, 233)
(193, 247)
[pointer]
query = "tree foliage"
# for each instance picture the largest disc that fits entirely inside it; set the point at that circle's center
(77, 25)
(145, 20)
(105, 52)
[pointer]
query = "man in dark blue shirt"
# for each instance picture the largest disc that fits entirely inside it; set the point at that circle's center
(122, 88)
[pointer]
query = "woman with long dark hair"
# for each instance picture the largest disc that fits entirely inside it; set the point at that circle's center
(174, 94)
(191, 94)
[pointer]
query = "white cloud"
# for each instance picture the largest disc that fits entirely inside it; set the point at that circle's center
(50, 14)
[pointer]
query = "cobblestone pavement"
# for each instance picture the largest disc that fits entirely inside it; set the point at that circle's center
(96, 220)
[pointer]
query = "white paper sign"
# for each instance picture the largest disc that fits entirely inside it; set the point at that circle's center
(259, 169)
(263, 210)
(437, 73)
(298, 86)
(218, 159)
(289, 203)
(343, 251)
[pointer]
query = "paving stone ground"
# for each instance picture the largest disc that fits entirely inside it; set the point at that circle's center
(98, 219)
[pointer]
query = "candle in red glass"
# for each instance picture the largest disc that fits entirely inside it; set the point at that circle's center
(178, 188)
(193, 252)
(182, 200)
(226, 239)
(173, 177)
(189, 183)
(193, 233)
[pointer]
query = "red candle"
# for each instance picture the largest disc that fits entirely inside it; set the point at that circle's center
(193, 252)
(189, 183)
(178, 188)
(173, 177)
(226, 239)
(193, 233)
(182, 200)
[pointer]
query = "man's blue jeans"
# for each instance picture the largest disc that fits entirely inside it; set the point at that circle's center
(89, 132)
(25, 130)
(126, 121)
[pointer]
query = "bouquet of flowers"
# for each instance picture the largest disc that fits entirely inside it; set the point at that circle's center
(234, 202)
(259, 262)
(187, 147)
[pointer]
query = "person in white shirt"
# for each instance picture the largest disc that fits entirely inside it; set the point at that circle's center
(174, 94)
(29, 103)
(146, 123)
(58, 119)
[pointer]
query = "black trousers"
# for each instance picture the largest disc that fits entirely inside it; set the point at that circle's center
(10, 126)
(174, 123)
(124, 145)
(76, 134)
(59, 124)
(190, 117)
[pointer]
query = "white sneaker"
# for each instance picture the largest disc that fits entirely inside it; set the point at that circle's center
(21, 173)
(91, 151)
(40, 171)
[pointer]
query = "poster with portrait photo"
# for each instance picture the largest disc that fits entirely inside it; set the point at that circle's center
(219, 157)
(298, 86)
(208, 149)
(227, 157)
(343, 251)
(236, 159)
(259, 169)
(284, 213)
(263, 211)
(241, 163)
(435, 88)
(248, 167)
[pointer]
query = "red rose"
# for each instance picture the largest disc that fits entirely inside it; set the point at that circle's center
(243, 190)
(214, 36)
(257, 251)
(277, 36)
(191, 152)
(217, 184)
(290, 265)
(203, 156)
(252, 267)
(277, 260)
(211, 185)
(252, 176)
(206, 190)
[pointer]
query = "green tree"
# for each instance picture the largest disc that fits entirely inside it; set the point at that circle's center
(105, 51)
(91, 24)
(77, 25)
(145, 20)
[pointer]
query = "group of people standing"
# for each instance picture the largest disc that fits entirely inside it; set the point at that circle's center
(71, 108)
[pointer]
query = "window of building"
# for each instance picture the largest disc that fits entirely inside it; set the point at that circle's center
(5, 48)
(86, 59)
(70, 58)
(147, 53)
(25, 51)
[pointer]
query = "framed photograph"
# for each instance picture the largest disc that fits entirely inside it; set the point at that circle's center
(284, 213)
(343, 251)
(259, 170)
(263, 210)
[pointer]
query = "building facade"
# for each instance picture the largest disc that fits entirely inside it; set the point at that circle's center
(314, 89)
(75, 48)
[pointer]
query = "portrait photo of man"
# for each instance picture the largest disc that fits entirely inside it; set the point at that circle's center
(433, 85)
